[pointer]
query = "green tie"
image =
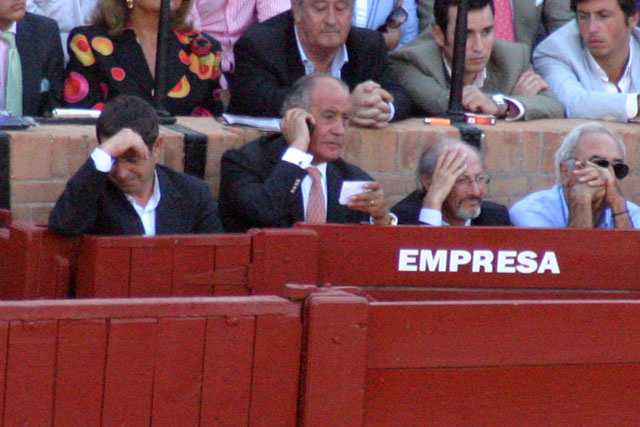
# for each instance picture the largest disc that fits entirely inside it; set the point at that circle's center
(14, 76)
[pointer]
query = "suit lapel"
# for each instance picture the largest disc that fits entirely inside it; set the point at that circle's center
(295, 67)
(31, 72)
(334, 185)
(168, 210)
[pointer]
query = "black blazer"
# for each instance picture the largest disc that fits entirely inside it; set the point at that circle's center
(40, 49)
(92, 204)
(258, 189)
(408, 211)
(268, 63)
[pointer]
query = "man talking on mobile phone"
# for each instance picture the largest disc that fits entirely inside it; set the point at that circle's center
(278, 180)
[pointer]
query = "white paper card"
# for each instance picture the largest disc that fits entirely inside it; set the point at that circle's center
(349, 188)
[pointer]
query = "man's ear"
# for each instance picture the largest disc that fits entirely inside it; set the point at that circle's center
(157, 146)
(565, 174)
(439, 35)
(426, 181)
(295, 9)
(632, 21)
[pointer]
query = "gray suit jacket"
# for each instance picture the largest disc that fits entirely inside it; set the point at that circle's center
(562, 60)
(529, 17)
(420, 69)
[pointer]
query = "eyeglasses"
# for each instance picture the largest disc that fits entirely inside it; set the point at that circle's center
(465, 181)
(620, 169)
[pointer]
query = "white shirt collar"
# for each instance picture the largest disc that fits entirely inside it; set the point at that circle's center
(625, 81)
(147, 213)
(12, 29)
(341, 58)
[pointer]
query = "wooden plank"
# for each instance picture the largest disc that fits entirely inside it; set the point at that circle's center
(226, 392)
(274, 391)
(192, 261)
(4, 346)
(30, 373)
(82, 348)
(485, 333)
(178, 371)
(151, 272)
(129, 372)
(103, 272)
(576, 395)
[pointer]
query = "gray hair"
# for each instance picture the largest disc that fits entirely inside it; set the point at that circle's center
(300, 95)
(572, 139)
(429, 158)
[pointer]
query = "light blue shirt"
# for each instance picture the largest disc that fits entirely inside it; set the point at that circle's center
(376, 12)
(548, 208)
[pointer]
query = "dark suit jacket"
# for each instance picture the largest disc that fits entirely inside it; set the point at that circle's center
(40, 49)
(92, 204)
(268, 63)
(258, 189)
(408, 210)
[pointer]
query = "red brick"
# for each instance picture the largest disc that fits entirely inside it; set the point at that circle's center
(41, 213)
(508, 186)
(388, 152)
(21, 212)
(361, 148)
(539, 182)
(502, 151)
(216, 147)
(394, 185)
(36, 192)
(31, 155)
(531, 146)
(550, 145)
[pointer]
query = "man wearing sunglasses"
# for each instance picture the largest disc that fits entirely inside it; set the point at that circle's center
(452, 183)
(589, 164)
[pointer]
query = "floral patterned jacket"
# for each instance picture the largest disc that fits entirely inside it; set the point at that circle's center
(101, 67)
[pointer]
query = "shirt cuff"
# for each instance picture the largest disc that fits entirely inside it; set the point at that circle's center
(392, 113)
(102, 160)
(631, 106)
(297, 157)
(430, 216)
(394, 219)
(518, 106)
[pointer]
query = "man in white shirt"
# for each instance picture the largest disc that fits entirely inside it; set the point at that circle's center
(592, 64)
(122, 190)
(270, 181)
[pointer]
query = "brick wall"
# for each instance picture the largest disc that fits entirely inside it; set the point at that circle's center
(519, 157)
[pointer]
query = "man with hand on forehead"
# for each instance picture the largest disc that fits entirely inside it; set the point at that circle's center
(278, 180)
(452, 184)
(121, 189)
(589, 163)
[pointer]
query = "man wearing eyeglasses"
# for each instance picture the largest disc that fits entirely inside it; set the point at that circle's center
(589, 164)
(452, 184)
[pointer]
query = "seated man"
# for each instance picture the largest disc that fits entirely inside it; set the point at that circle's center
(122, 190)
(589, 163)
(316, 36)
(387, 16)
(31, 62)
(592, 64)
(278, 180)
(498, 78)
(451, 186)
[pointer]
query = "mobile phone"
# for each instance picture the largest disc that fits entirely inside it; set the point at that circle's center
(311, 127)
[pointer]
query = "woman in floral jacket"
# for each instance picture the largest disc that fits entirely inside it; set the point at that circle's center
(117, 55)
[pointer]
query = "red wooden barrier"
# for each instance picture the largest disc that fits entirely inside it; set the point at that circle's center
(176, 361)
(34, 263)
(172, 265)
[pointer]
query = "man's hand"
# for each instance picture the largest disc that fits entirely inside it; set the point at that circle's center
(371, 202)
(586, 194)
(122, 142)
(370, 105)
(474, 100)
(450, 165)
(392, 37)
(295, 128)
(529, 84)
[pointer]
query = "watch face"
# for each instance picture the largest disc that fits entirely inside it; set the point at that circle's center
(398, 17)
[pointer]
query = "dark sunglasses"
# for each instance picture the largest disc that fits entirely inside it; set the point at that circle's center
(619, 169)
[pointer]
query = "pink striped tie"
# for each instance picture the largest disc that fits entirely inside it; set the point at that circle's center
(316, 210)
(503, 22)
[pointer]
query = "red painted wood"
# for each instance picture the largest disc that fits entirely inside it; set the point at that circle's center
(276, 367)
(228, 360)
(465, 294)
(461, 334)
(103, 272)
(369, 256)
(129, 372)
(282, 256)
(30, 373)
(178, 371)
(151, 272)
(334, 366)
(4, 345)
(80, 372)
(545, 395)
(192, 261)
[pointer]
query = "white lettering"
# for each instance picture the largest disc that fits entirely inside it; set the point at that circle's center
(549, 262)
(457, 258)
(439, 261)
(506, 261)
(482, 259)
(407, 260)
(527, 261)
